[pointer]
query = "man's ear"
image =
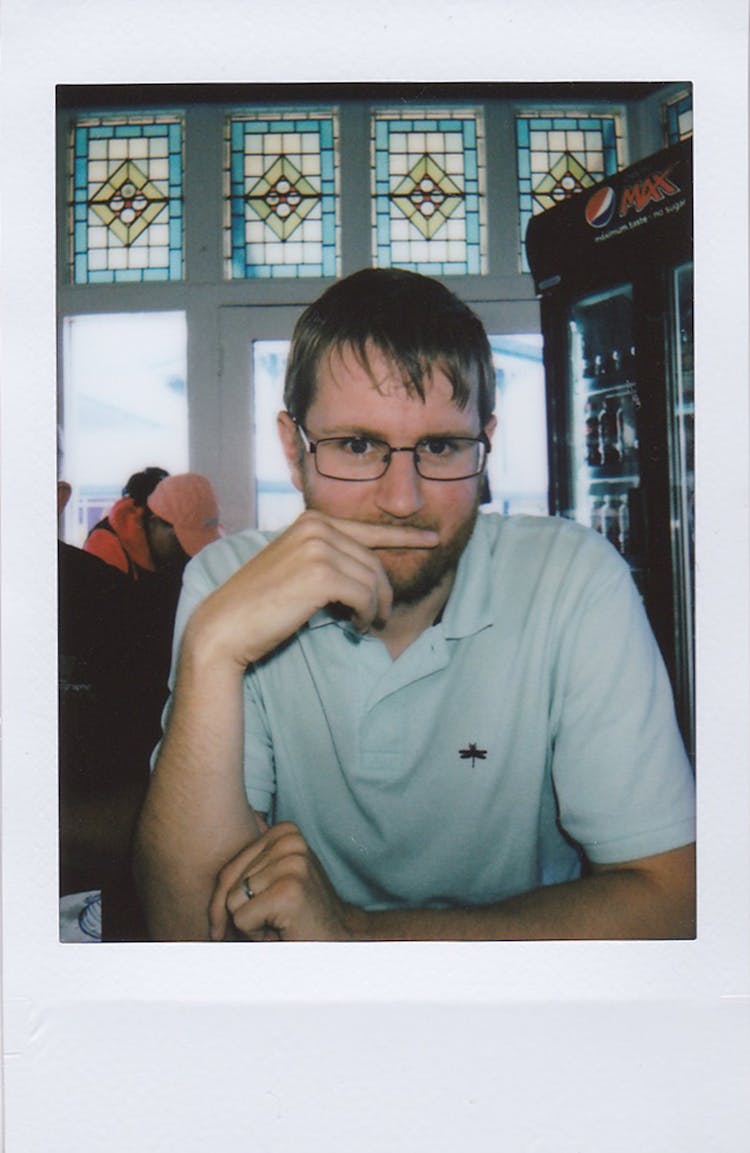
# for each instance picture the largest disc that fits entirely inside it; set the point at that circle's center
(485, 490)
(63, 496)
(293, 449)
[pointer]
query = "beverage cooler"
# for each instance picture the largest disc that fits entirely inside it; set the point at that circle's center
(613, 267)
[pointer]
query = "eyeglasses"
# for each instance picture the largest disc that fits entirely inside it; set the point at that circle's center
(360, 457)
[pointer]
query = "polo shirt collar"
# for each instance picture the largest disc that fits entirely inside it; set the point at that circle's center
(469, 607)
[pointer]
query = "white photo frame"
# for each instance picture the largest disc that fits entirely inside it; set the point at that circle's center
(574, 1046)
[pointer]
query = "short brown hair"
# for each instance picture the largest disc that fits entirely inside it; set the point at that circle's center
(415, 321)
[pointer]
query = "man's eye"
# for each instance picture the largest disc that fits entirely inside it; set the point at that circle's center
(357, 446)
(439, 446)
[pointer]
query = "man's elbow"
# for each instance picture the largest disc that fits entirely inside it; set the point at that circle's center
(686, 898)
(673, 877)
(662, 905)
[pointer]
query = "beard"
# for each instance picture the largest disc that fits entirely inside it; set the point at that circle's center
(415, 573)
(410, 587)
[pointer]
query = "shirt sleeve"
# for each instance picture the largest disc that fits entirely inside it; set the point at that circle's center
(623, 782)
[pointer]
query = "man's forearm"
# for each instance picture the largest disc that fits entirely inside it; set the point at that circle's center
(196, 814)
(622, 903)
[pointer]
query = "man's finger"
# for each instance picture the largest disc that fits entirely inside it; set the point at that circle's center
(229, 876)
(387, 536)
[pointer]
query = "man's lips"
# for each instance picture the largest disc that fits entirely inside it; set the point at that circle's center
(406, 548)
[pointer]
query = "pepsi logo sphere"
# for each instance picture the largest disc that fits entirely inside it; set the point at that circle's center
(600, 207)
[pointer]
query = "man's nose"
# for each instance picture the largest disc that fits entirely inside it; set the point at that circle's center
(399, 490)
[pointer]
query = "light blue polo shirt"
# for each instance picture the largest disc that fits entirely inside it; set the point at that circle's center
(534, 720)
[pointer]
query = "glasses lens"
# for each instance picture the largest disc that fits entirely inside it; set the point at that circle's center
(352, 458)
(449, 458)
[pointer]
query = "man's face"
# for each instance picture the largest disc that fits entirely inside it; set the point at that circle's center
(348, 401)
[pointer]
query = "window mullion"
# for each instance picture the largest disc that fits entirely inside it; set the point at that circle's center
(356, 188)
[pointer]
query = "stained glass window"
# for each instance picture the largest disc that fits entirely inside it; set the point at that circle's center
(679, 116)
(560, 154)
(281, 194)
(428, 191)
(125, 209)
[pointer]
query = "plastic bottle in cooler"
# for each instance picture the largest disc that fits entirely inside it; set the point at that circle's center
(591, 422)
(611, 520)
(624, 518)
(609, 427)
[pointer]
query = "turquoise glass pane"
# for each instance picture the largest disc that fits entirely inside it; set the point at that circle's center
(428, 192)
(126, 208)
(559, 155)
(281, 215)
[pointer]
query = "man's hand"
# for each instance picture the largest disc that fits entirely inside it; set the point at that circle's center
(319, 560)
(292, 898)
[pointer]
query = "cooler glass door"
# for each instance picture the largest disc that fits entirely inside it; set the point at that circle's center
(602, 421)
(682, 492)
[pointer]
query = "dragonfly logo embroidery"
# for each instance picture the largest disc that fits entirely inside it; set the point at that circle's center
(472, 753)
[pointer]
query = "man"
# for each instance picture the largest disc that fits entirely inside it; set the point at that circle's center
(120, 537)
(398, 719)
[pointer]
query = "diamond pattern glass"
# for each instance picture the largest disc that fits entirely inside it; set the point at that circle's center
(125, 206)
(560, 154)
(428, 191)
(281, 195)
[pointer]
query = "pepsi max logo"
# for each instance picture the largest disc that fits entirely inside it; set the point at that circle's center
(600, 207)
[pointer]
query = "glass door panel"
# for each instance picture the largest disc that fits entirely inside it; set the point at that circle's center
(682, 489)
(602, 420)
(255, 485)
(125, 406)
(277, 501)
(517, 466)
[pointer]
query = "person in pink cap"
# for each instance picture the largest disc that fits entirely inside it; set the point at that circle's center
(184, 518)
(157, 527)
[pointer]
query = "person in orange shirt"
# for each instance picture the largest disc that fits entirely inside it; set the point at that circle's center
(160, 528)
(120, 538)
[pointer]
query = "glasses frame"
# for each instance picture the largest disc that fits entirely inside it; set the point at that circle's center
(312, 446)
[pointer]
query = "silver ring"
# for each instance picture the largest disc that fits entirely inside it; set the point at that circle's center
(246, 888)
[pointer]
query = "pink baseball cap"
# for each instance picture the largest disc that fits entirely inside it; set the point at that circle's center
(188, 503)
